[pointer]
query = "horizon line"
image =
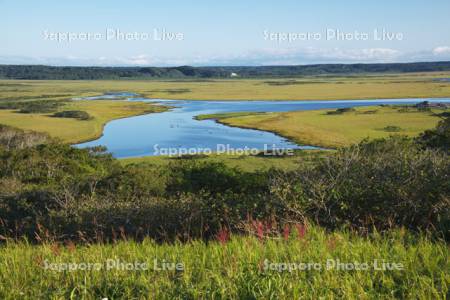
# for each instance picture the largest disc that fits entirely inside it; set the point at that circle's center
(228, 66)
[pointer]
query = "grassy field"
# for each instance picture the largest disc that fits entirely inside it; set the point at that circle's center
(73, 130)
(239, 268)
(334, 130)
(415, 85)
(244, 162)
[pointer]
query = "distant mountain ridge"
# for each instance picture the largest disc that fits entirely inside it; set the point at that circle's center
(42, 72)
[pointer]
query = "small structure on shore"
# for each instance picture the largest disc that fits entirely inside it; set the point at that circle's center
(427, 104)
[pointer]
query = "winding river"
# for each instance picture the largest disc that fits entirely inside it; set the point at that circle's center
(177, 130)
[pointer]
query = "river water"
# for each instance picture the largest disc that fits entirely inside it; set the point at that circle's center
(177, 131)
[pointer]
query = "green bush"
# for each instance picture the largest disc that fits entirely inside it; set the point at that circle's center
(380, 184)
(13, 138)
(74, 114)
(39, 107)
(193, 176)
(340, 111)
(438, 138)
(392, 128)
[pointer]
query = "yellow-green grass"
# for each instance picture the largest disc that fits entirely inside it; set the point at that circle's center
(73, 130)
(321, 129)
(411, 85)
(248, 163)
(242, 268)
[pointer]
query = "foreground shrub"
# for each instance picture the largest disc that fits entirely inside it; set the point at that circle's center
(379, 184)
(438, 138)
(234, 267)
(13, 138)
(56, 191)
(193, 176)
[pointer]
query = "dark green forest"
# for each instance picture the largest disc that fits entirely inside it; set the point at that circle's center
(41, 72)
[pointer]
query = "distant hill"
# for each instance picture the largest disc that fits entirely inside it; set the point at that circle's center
(34, 72)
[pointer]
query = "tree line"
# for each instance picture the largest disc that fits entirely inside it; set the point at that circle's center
(41, 72)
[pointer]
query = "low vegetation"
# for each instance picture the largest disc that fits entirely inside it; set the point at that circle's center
(74, 114)
(392, 128)
(331, 87)
(32, 106)
(340, 111)
(249, 163)
(337, 128)
(236, 234)
(438, 137)
(51, 190)
(233, 267)
(11, 139)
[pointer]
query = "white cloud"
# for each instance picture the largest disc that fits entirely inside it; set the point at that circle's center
(442, 50)
(289, 56)
(138, 60)
(269, 56)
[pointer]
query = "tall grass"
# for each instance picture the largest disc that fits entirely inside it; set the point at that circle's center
(234, 268)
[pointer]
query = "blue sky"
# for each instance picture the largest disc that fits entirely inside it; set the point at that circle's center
(233, 32)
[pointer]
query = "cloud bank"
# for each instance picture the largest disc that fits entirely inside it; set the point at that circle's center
(283, 56)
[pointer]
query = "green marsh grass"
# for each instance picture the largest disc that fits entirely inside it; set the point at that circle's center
(233, 269)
